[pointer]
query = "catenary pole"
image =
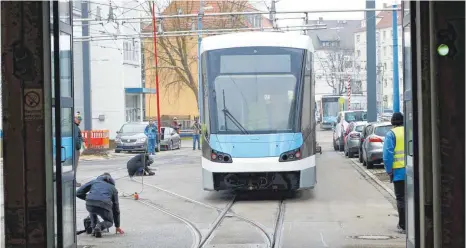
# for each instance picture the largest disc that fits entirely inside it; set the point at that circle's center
(396, 89)
(371, 62)
(199, 70)
(154, 30)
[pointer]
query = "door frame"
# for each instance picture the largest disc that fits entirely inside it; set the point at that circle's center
(58, 103)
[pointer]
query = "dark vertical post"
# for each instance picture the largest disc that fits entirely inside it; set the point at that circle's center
(25, 85)
(87, 99)
(371, 60)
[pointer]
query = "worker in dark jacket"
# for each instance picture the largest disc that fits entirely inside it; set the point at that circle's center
(101, 198)
(139, 165)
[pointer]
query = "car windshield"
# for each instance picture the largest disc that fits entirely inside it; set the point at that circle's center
(382, 130)
(133, 128)
(359, 128)
(356, 116)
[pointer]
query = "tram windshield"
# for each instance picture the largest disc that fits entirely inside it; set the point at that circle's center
(254, 89)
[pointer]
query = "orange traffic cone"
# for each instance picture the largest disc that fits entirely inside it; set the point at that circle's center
(136, 196)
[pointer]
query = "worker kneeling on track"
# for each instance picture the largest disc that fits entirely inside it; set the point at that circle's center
(139, 165)
(101, 198)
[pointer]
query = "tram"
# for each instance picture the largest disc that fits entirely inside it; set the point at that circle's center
(258, 112)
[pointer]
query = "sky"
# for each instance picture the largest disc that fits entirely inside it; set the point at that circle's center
(302, 5)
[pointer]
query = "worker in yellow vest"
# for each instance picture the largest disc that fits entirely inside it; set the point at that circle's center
(394, 162)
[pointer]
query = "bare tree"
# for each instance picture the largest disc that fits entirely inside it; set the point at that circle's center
(177, 56)
(336, 66)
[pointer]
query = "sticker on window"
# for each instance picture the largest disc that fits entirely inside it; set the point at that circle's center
(290, 95)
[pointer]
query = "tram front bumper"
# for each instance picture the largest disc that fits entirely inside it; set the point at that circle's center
(294, 175)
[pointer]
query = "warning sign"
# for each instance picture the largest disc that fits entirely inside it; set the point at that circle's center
(33, 104)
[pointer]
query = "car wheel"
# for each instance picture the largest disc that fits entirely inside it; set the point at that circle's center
(117, 151)
(157, 148)
(342, 147)
(360, 156)
(350, 154)
(335, 147)
(170, 146)
(370, 165)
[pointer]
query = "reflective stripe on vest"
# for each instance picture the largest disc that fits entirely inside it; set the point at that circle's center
(399, 155)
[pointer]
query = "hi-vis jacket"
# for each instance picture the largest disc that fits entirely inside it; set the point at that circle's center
(393, 153)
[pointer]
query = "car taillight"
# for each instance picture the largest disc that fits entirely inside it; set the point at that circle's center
(220, 157)
(290, 155)
(354, 135)
(375, 139)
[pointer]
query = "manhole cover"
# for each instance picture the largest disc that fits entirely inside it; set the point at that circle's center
(373, 237)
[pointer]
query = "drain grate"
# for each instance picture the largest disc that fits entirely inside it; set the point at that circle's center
(373, 237)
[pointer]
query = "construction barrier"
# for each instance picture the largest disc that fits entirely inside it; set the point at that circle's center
(96, 139)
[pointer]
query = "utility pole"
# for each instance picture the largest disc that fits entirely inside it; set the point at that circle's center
(396, 90)
(273, 14)
(199, 70)
(371, 63)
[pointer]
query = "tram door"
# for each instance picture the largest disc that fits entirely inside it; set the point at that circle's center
(408, 114)
(63, 123)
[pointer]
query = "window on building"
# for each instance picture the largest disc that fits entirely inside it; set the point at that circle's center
(385, 66)
(358, 37)
(385, 84)
(384, 35)
(131, 52)
(384, 51)
(359, 53)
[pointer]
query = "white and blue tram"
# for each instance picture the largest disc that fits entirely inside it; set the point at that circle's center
(258, 112)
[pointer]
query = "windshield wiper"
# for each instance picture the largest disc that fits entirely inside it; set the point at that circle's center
(227, 113)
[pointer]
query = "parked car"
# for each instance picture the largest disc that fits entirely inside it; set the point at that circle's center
(170, 138)
(353, 138)
(343, 120)
(372, 147)
(131, 138)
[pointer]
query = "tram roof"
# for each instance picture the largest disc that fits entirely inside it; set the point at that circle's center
(256, 39)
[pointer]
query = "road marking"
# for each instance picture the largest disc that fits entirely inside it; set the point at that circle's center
(322, 239)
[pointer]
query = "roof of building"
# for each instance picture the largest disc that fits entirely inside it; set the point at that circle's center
(384, 20)
(209, 22)
(336, 30)
(248, 39)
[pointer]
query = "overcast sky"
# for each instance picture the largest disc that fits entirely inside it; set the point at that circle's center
(302, 5)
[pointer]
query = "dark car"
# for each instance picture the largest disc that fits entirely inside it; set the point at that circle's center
(131, 138)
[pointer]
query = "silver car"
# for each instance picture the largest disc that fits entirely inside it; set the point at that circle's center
(170, 138)
(353, 138)
(131, 138)
(372, 147)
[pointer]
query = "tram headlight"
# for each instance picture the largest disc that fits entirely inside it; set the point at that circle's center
(292, 155)
(220, 157)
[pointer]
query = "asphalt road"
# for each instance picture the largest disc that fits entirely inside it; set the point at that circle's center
(346, 209)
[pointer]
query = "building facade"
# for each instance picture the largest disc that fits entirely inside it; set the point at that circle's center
(385, 65)
(110, 76)
(334, 61)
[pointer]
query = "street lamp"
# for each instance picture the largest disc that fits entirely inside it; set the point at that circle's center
(380, 70)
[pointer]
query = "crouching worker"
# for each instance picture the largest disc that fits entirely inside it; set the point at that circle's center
(139, 165)
(101, 198)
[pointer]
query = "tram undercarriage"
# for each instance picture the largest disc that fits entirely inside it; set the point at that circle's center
(289, 180)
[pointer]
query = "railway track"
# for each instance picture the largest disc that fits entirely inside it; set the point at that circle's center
(272, 239)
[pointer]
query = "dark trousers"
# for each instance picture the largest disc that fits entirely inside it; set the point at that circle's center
(400, 202)
(95, 212)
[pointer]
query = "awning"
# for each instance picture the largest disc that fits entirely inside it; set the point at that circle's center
(140, 91)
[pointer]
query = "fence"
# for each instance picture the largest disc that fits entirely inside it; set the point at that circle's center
(96, 139)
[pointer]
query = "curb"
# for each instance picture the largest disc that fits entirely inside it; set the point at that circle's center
(373, 177)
